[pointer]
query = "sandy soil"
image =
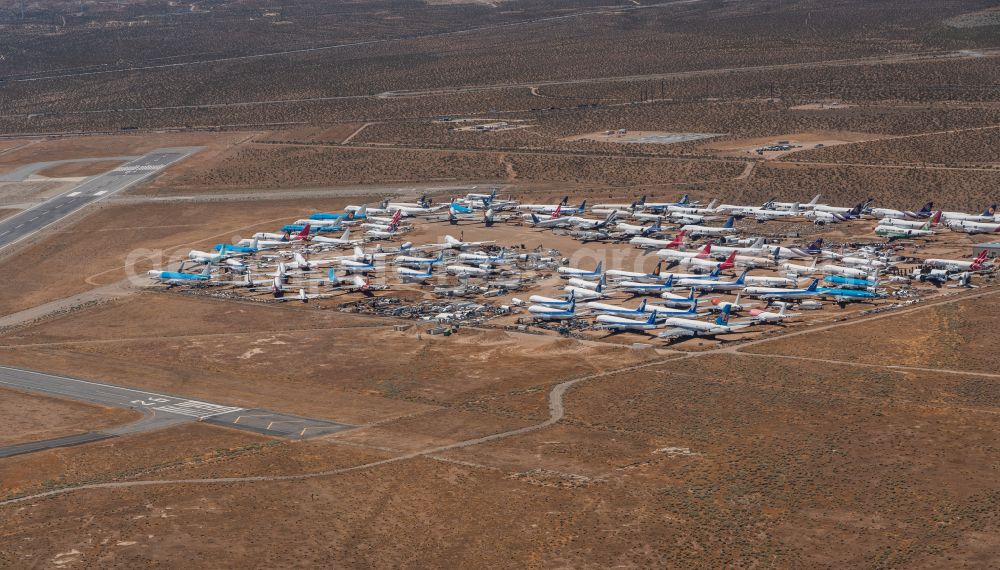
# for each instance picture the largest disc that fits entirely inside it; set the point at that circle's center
(30, 417)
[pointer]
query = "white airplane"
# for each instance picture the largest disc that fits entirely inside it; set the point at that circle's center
(585, 283)
(770, 281)
(419, 261)
(795, 205)
(636, 230)
(623, 324)
(555, 221)
(711, 264)
(210, 258)
(762, 316)
(585, 293)
(714, 284)
(621, 275)
(800, 269)
(675, 255)
(408, 275)
(649, 243)
(303, 264)
(344, 240)
(562, 208)
(568, 272)
(974, 227)
(988, 215)
(756, 249)
(468, 271)
(646, 288)
(452, 243)
(482, 258)
(781, 293)
(842, 271)
(681, 327)
(698, 230)
(591, 224)
(546, 313)
(922, 214)
(564, 302)
(904, 223)
(734, 306)
(606, 309)
(956, 265)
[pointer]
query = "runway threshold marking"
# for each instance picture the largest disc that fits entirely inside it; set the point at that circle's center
(100, 192)
(196, 409)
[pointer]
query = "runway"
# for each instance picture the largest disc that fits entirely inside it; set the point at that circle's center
(160, 411)
(32, 220)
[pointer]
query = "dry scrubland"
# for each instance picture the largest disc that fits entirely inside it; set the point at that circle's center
(274, 166)
(31, 417)
(963, 148)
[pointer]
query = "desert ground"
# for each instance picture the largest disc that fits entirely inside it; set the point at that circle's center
(856, 436)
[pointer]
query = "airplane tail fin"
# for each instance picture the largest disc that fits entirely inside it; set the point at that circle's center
(715, 273)
(812, 286)
(814, 201)
(652, 318)
(729, 222)
(642, 306)
(208, 270)
(669, 283)
(741, 278)
(583, 205)
(705, 251)
(729, 262)
(684, 200)
(991, 210)
(332, 276)
(711, 204)
(723, 318)
(926, 209)
(304, 234)
(691, 296)
(564, 201)
(597, 269)
(534, 218)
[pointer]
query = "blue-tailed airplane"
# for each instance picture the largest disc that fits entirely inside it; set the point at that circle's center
(783, 294)
(622, 324)
(606, 309)
(566, 301)
(179, 277)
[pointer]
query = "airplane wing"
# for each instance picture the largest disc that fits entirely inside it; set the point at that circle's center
(675, 332)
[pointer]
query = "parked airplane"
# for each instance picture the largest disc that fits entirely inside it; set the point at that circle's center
(606, 309)
(681, 327)
(344, 240)
(180, 278)
(452, 243)
(408, 275)
(698, 230)
(650, 243)
(903, 223)
(781, 293)
(921, 214)
(974, 227)
(554, 221)
(568, 272)
(713, 284)
(546, 313)
(763, 316)
(622, 324)
(566, 301)
(958, 264)
(988, 215)
(893, 232)
(635, 275)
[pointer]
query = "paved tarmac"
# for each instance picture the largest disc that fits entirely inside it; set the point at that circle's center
(160, 410)
(30, 221)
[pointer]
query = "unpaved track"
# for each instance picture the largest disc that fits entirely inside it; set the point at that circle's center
(557, 411)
